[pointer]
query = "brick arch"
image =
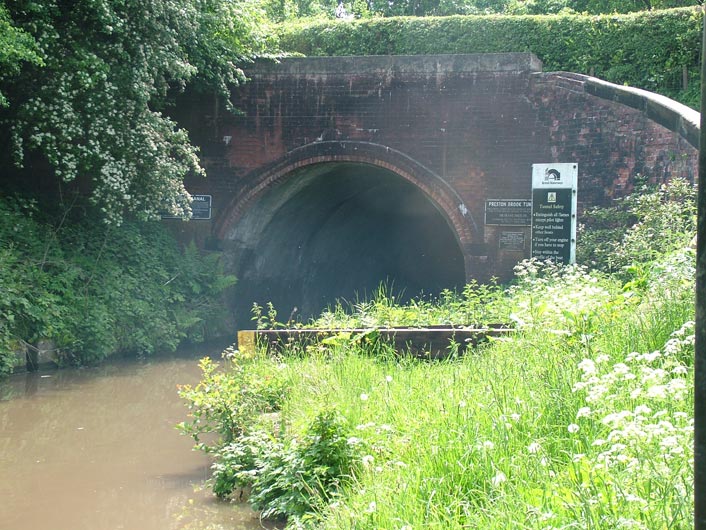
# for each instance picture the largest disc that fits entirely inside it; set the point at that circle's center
(434, 187)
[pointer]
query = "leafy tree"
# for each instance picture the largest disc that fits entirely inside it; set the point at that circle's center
(16, 48)
(93, 106)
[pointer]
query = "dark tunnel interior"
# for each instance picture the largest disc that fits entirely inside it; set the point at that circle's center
(338, 231)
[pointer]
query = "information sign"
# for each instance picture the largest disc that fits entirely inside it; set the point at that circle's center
(508, 212)
(554, 212)
(200, 208)
(513, 241)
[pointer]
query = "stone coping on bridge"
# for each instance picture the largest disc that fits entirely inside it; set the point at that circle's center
(400, 64)
(670, 114)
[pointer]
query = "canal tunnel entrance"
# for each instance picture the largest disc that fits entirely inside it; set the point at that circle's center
(338, 231)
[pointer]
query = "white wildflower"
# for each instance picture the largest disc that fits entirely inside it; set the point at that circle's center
(642, 409)
(533, 448)
(621, 368)
(657, 391)
(498, 479)
(587, 366)
(602, 358)
(583, 412)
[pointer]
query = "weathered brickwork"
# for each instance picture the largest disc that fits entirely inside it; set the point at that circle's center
(462, 129)
(612, 142)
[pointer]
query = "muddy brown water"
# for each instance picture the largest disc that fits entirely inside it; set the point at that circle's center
(96, 449)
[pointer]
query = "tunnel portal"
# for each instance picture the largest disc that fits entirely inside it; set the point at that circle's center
(338, 231)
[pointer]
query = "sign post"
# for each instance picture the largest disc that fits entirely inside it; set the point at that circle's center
(554, 189)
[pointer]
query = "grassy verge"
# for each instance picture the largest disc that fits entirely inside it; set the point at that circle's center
(583, 419)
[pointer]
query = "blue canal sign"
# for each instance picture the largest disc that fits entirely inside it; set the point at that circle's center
(554, 188)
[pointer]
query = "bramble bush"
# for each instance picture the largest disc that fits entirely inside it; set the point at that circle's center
(228, 402)
(290, 476)
(628, 237)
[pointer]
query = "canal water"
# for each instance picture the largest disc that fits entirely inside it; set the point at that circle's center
(96, 449)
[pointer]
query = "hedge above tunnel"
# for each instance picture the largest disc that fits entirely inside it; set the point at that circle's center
(649, 50)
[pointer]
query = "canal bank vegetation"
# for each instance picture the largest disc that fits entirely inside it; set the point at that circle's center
(85, 89)
(93, 290)
(653, 50)
(581, 419)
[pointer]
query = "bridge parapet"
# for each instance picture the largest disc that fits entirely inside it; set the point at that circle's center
(399, 65)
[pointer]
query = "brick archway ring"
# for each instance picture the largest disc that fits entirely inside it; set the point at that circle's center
(434, 187)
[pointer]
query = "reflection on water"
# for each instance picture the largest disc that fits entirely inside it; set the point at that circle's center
(96, 449)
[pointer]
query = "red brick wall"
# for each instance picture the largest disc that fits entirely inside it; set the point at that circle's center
(463, 130)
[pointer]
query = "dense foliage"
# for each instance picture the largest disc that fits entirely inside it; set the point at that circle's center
(16, 49)
(582, 419)
(647, 50)
(289, 9)
(95, 290)
(85, 84)
(630, 236)
(287, 477)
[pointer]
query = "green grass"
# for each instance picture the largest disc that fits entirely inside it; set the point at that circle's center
(568, 424)
(582, 419)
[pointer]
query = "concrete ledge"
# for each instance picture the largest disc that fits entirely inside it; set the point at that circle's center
(429, 65)
(430, 342)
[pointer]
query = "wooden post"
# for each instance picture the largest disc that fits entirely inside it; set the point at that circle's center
(700, 334)
(684, 77)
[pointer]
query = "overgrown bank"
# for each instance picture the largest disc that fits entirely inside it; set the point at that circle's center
(95, 290)
(583, 419)
(653, 50)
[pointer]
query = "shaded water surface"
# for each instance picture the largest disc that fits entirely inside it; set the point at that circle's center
(96, 448)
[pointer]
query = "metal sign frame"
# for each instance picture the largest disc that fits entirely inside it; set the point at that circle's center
(554, 204)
